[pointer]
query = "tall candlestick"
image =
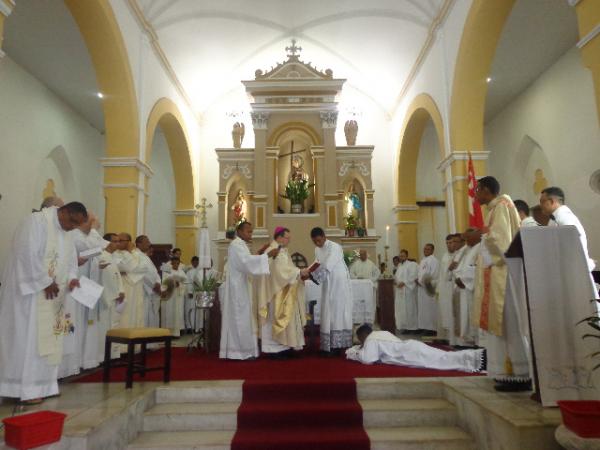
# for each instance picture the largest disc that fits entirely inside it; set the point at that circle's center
(387, 235)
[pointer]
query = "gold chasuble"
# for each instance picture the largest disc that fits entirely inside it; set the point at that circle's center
(490, 286)
(285, 290)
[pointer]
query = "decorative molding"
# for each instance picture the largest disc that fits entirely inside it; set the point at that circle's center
(5, 8)
(462, 156)
(185, 212)
(360, 166)
(406, 222)
(149, 30)
(399, 208)
(455, 180)
(259, 120)
(244, 169)
(328, 119)
(187, 227)
(289, 215)
(436, 23)
(123, 186)
(128, 162)
(588, 37)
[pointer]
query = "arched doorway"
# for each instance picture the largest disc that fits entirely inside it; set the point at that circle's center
(421, 112)
(166, 116)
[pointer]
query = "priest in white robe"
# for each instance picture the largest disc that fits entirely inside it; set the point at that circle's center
(173, 298)
(43, 268)
(552, 201)
(113, 294)
(445, 292)
(497, 317)
(151, 282)
(364, 269)
(384, 347)
(523, 210)
(281, 308)
(464, 285)
(405, 294)
(427, 309)
(238, 325)
(336, 296)
(192, 275)
(132, 271)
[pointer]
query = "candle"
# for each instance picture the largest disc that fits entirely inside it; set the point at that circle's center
(387, 235)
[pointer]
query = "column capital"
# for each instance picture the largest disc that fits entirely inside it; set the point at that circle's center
(462, 155)
(328, 119)
(127, 162)
(259, 120)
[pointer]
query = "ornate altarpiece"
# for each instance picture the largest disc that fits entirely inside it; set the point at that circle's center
(294, 113)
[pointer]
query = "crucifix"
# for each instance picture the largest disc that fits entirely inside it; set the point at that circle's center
(291, 155)
(202, 207)
(293, 49)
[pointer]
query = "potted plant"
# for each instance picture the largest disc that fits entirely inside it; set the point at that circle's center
(351, 224)
(205, 291)
(350, 257)
(582, 417)
(296, 191)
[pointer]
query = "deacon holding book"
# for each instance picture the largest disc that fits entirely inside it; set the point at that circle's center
(336, 298)
(281, 311)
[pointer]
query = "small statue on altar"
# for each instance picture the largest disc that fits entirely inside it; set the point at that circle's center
(353, 205)
(237, 134)
(239, 208)
(351, 130)
(297, 173)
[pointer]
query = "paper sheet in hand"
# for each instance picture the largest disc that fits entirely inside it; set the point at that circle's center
(90, 253)
(88, 293)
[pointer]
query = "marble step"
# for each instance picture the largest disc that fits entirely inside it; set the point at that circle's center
(420, 438)
(405, 388)
(183, 440)
(408, 413)
(208, 391)
(191, 416)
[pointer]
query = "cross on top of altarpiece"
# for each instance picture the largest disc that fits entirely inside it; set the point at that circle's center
(293, 49)
(202, 207)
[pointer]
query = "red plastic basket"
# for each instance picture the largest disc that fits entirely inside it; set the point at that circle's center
(32, 430)
(582, 417)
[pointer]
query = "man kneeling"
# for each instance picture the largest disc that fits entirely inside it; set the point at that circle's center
(384, 347)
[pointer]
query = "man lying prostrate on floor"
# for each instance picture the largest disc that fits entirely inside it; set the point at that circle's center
(384, 347)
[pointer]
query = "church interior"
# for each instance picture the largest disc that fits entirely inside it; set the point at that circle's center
(181, 119)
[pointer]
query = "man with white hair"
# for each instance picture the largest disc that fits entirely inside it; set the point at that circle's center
(364, 269)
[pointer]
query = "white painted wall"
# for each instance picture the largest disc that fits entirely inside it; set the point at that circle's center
(160, 222)
(552, 125)
(41, 137)
(433, 223)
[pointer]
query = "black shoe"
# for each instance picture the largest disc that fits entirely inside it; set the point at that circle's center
(513, 386)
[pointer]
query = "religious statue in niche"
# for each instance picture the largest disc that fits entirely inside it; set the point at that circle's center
(237, 134)
(351, 130)
(239, 208)
(540, 182)
(297, 172)
(353, 205)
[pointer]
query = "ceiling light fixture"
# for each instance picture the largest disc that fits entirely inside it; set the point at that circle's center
(100, 95)
(488, 79)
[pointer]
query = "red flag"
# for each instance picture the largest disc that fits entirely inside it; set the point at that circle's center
(475, 215)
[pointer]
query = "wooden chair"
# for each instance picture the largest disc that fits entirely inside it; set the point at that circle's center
(131, 337)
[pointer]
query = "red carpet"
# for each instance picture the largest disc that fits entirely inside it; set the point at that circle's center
(197, 365)
(300, 415)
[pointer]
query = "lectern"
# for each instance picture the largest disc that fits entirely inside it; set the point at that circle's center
(386, 311)
(549, 274)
